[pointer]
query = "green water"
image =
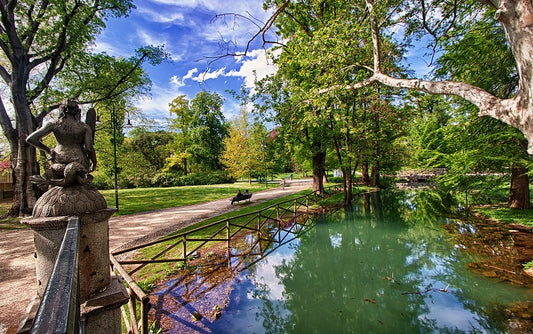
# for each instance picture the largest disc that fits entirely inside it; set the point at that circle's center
(383, 266)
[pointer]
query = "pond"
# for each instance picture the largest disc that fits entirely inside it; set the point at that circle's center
(387, 265)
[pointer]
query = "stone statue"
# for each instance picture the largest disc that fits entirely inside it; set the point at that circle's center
(74, 157)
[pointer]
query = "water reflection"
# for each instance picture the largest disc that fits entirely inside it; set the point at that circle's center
(382, 266)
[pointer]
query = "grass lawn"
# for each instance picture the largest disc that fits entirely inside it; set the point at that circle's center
(147, 199)
(505, 215)
(9, 223)
(148, 276)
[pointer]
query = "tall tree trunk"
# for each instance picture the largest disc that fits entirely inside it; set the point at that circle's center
(374, 176)
(25, 194)
(519, 191)
(347, 179)
(319, 162)
(184, 166)
(25, 156)
(364, 174)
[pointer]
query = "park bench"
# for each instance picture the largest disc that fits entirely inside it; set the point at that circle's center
(241, 197)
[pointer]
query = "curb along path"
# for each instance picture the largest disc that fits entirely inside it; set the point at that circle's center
(17, 268)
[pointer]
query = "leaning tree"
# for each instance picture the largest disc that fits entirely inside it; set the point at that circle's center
(516, 18)
(44, 58)
(441, 21)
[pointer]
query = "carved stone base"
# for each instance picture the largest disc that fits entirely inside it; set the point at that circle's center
(93, 250)
(49, 221)
(101, 312)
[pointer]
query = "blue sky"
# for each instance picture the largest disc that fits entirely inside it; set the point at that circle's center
(190, 33)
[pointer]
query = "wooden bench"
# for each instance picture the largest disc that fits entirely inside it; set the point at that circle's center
(242, 197)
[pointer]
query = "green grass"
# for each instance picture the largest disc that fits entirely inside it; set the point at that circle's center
(159, 271)
(507, 215)
(147, 199)
(9, 223)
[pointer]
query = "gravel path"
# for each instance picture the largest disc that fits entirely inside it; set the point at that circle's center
(17, 269)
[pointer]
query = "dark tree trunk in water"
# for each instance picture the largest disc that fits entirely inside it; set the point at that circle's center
(366, 206)
(519, 192)
(319, 161)
(364, 171)
(376, 204)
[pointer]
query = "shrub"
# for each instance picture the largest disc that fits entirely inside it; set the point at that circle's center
(172, 179)
(335, 179)
(102, 181)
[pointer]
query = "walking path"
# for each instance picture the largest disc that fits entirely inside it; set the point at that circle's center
(17, 268)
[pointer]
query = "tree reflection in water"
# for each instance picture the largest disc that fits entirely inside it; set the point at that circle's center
(383, 266)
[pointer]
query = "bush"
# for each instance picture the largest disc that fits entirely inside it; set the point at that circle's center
(171, 179)
(335, 179)
(102, 181)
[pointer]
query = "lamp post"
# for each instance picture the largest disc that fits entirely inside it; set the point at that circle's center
(114, 123)
(265, 164)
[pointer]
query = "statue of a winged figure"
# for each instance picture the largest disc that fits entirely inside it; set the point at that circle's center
(73, 158)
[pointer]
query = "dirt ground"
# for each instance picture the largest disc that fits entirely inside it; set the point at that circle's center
(18, 284)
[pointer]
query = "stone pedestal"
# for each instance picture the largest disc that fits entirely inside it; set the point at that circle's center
(101, 312)
(101, 295)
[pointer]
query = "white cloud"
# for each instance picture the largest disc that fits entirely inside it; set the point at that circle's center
(156, 106)
(180, 83)
(147, 38)
(219, 6)
(256, 66)
(161, 16)
(176, 81)
(209, 75)
(190, 73)
(110, 49)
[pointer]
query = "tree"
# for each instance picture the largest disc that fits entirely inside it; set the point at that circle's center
(44, 44)
(180, 107)
(209, 128)
(153, 145)
(515, 16)
(242, 155)
(497, 75)
(439, 20)
(317, 52)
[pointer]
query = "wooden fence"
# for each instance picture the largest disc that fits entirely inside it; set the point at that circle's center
(273, 224)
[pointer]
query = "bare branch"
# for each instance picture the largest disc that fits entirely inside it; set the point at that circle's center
(260, 32)
(492, 3)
